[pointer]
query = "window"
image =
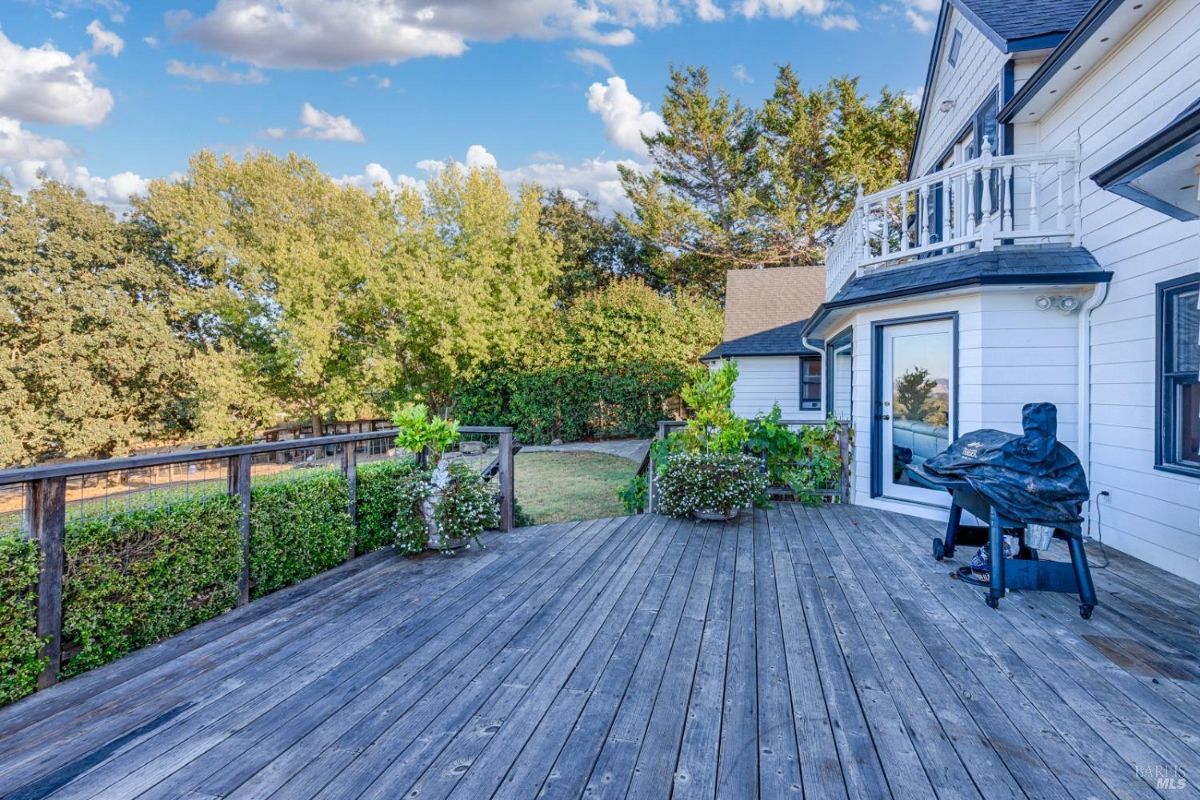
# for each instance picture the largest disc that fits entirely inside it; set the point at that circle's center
(810, 383)
(1179, 375)
(955, 46)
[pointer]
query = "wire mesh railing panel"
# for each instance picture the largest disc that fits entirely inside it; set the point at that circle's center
(14, 513)
(119, 491)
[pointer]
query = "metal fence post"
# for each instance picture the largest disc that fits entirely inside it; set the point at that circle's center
(47, 524)
(350, 470)
(239, 486)
(506, 480)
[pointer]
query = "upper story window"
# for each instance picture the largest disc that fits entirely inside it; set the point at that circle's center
(955, 46)
(1178, 447)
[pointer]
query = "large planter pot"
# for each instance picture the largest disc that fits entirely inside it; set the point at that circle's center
(717, 516)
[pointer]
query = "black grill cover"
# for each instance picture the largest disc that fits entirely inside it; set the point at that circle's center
(1030, 478)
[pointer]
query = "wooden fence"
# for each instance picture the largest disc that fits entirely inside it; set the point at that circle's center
(839, 493)
(46, 505)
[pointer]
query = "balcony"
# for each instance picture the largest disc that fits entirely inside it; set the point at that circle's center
(987, 202)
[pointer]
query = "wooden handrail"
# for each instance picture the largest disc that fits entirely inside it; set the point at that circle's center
(47, 503)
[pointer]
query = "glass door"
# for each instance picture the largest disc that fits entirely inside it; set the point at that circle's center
(915, 405)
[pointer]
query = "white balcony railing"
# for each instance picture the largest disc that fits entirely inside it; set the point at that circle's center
(980, 204)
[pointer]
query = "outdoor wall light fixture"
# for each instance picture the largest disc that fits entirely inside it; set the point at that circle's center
(1068, 304)
(946, 105)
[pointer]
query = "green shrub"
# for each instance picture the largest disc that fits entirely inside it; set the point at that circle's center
(571, 403)
(139, 576)
(19, 659)
(299, 526)
(389, 497)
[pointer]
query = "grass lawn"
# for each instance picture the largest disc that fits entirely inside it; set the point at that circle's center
(553, 487)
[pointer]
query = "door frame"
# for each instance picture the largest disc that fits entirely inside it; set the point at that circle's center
(877, 327)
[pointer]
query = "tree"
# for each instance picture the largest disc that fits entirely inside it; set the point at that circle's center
(817, 147)
(595, 250)
(699, 208)
(282, 267)
(466, 282)
(91, 365)
(914, 390)
(734, 188)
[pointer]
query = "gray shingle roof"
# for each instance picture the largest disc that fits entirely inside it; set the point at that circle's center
(1022, 19)
(781, 341)
(1040, 264)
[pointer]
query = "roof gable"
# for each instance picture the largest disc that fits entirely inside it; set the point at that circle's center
(1012, 21)
(758, 300)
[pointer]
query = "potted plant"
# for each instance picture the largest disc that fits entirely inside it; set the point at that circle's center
(710, 486)
(428, 437)
(464, 510)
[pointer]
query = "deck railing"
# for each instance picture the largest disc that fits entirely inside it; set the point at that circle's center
(839, 492)
(979, 204)
(46, 497)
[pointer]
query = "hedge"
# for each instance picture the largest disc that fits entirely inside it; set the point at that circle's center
(138, 576)
(19, 660)
(381, 520)
(299, 526)
(572, 403)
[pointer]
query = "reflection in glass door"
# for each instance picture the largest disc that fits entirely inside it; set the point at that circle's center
(916, 403)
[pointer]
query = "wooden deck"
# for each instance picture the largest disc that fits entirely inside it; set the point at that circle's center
(806, 652)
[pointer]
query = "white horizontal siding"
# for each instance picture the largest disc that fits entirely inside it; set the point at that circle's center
(968, 83)
(764, 381)
(1136, 90)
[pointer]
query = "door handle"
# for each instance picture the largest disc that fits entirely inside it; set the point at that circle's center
(883, 416)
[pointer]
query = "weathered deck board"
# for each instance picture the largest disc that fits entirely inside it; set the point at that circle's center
(794, 652)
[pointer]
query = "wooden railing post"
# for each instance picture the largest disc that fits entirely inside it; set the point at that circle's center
(350, 470)
(505, 475)
(844, 450)
(47, 524)
(239, 487)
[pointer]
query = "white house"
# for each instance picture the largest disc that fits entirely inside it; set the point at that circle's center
(765, 314)
(1045, 248)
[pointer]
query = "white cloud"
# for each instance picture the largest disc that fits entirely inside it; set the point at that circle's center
(845, 22)
(596, 179)
(741, 74)
(211, 73)
(591, 58)
(44, 84)
(333, 34)
(378, 175)
(381, 81)
(151, 41)
(104, 41)
(922, 14)
(116, 9)
(478, 157)
(708, 11)
(782, 9)
(915, 96)
(625, 117)
(317, 124)
(18, 144)
(116, 190)
(920, 23)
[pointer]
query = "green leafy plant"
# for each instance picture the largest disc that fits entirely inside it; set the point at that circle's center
(777, 444)
(820, 462)
(710, 482)
(139, 576)
(713, 427)
(521, 518)
(299, 526)
(20, 661)
(418, 431)
(389, 506)
(466, 509)
(634, 495)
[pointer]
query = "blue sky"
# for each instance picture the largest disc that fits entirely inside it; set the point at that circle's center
(107, 94)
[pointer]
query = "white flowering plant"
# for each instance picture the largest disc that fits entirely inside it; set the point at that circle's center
(720, 483)
(466, 508)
